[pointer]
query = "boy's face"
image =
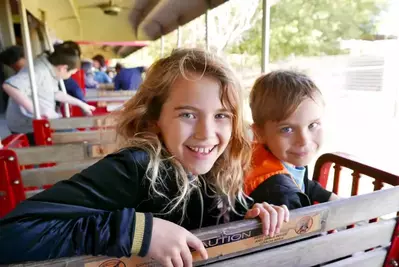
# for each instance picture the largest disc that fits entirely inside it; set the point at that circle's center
(64, 73)
(297, 139)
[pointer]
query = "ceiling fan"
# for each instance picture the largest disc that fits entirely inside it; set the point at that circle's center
(109, 8)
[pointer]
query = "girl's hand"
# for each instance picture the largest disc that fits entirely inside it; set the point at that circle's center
(170, 244)
(272, 216)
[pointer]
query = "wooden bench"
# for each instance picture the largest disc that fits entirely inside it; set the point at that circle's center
(18, 181)
(99, 130)
(302, 242)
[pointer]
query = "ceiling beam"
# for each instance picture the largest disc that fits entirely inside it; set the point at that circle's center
(77, 15)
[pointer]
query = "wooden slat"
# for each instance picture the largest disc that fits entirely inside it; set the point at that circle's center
(121, 99)
(54, 153)
(372, 258)
(89, 161)
(324, 216)
(29, 194)
(77, 122)
(45, 176)
(116, 93)
(99, 136)
(319, 250)
(100, 150)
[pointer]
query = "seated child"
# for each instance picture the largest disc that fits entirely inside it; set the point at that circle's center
(180, 167)
(287, 110)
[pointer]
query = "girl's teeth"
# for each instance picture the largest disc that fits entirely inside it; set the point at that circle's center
(201, 149)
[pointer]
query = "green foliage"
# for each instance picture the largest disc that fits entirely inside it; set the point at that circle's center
(311, 28)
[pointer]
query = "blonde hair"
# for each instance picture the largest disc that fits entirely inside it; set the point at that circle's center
(276, 95)
(136, 127)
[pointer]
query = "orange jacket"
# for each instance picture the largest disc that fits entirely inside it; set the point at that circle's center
(264, 166)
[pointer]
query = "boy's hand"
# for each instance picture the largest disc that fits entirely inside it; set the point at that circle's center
(272, 216)
(88, 109)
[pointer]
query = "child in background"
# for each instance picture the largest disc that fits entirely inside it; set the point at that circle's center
(49, 69)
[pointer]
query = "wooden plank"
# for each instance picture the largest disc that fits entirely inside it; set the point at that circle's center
(98, 136)
(70, 164)
(367, 259)
(243, 237)
(116, 93)
(31, 193)
(54, 153)
(45, 176)
(120, 99)
(101, 150)
(77, 122)
(314, 251)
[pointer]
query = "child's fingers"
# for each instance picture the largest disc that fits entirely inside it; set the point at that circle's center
(167, 262)
(186, 257)
(178, 262)
(264, 216)
(286, 213)
(252, 213)
(195, 243)
(280, 217)
(272, 217)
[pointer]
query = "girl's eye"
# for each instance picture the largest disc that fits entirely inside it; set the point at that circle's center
(222, 116)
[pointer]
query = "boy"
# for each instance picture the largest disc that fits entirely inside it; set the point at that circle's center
(49, 69)
(287, 110)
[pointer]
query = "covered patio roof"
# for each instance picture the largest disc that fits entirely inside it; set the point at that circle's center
(116, 23)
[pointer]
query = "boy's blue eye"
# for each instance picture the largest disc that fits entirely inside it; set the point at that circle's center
(314, 125)
(286, 130)
(187, 115)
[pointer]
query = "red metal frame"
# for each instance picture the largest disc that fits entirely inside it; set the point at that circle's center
(321, 173)
(79, 77)
(42, 132)
(15, 141)
(11, 187)
(392, 259)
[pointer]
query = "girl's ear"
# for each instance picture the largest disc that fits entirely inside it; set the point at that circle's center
(154, 128)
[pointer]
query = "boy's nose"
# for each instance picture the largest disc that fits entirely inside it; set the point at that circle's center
(302, 138)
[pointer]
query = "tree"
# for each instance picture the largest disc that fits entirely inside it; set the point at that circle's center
(228, 22)
(311, 28)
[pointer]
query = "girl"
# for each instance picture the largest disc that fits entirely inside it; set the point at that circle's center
(182, 160)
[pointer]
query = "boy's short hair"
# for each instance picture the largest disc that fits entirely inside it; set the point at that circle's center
(65, 56)
(69, 44)
(11, 55)
(276, 95)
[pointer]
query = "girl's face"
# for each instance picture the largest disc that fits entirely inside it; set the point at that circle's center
(194, 125)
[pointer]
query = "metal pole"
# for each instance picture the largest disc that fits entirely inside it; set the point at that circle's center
(178, 37)
(61, 82)
(265, 35)
(207, 44)
(162, 46)
(29, 57)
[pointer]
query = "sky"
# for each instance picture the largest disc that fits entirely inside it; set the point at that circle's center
(390, 20)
